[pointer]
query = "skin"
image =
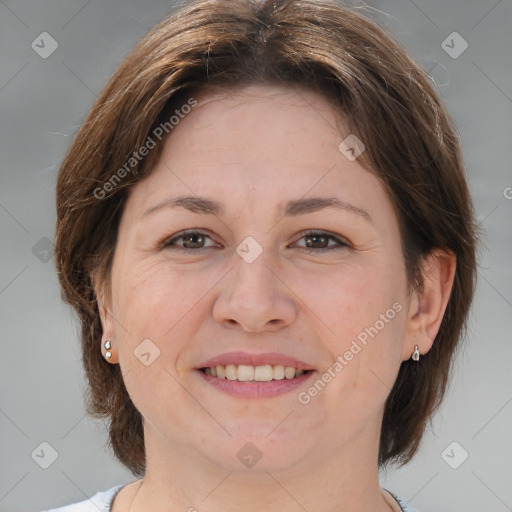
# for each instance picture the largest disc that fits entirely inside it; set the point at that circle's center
(253, 149)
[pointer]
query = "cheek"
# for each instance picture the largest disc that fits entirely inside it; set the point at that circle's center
(155, 303)
(155, 306)
(360, 314)
(348, 298)
(155, 294)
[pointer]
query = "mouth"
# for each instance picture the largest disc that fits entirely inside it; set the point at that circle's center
(249, 373)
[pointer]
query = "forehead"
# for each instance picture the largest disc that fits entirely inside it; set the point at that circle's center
(254, 130)
(261, 143)
(268, 108)
(279, 94)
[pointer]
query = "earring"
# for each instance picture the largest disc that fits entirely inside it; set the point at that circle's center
(107, 346)
(416, 354)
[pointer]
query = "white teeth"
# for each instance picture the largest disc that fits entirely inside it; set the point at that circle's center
(248, 373)
(245, 372)
(263, 373)
(278, 372)
(289, 372)
(231, 372)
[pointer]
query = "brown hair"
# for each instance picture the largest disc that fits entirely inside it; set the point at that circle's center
(388, 102)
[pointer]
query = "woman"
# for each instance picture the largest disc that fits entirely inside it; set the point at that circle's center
(265, 228)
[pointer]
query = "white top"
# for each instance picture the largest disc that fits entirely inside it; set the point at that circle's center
(101, 502)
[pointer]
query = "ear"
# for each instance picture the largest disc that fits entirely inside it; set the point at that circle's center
(103, 297)
(427, 307)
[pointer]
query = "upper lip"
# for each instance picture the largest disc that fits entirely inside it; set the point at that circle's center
(272, 358)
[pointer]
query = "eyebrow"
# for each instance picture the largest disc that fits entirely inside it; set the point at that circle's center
(293, 208)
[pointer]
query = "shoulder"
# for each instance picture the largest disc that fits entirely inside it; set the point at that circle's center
(100, 502)
(403, 505)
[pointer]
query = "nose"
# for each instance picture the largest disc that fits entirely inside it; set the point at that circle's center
(255, 296)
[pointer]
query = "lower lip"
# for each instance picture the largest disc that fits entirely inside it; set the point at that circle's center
(256, 389)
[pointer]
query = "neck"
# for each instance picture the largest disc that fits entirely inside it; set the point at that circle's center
(344, 479)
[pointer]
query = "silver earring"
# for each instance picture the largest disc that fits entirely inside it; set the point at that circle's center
(107, 346)
(416, 354)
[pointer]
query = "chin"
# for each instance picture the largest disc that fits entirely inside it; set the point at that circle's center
(255, 451)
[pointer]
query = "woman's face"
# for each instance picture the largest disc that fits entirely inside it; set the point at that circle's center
(254, 288)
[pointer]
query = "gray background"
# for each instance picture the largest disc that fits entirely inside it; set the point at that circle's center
(42, 103)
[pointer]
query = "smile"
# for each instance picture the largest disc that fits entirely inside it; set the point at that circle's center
(248, 373)
(251, 387)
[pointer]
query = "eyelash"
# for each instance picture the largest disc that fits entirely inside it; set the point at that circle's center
(170, 242)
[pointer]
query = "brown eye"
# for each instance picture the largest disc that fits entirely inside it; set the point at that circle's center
(316, 241)
(319, 241)
(188, 240)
